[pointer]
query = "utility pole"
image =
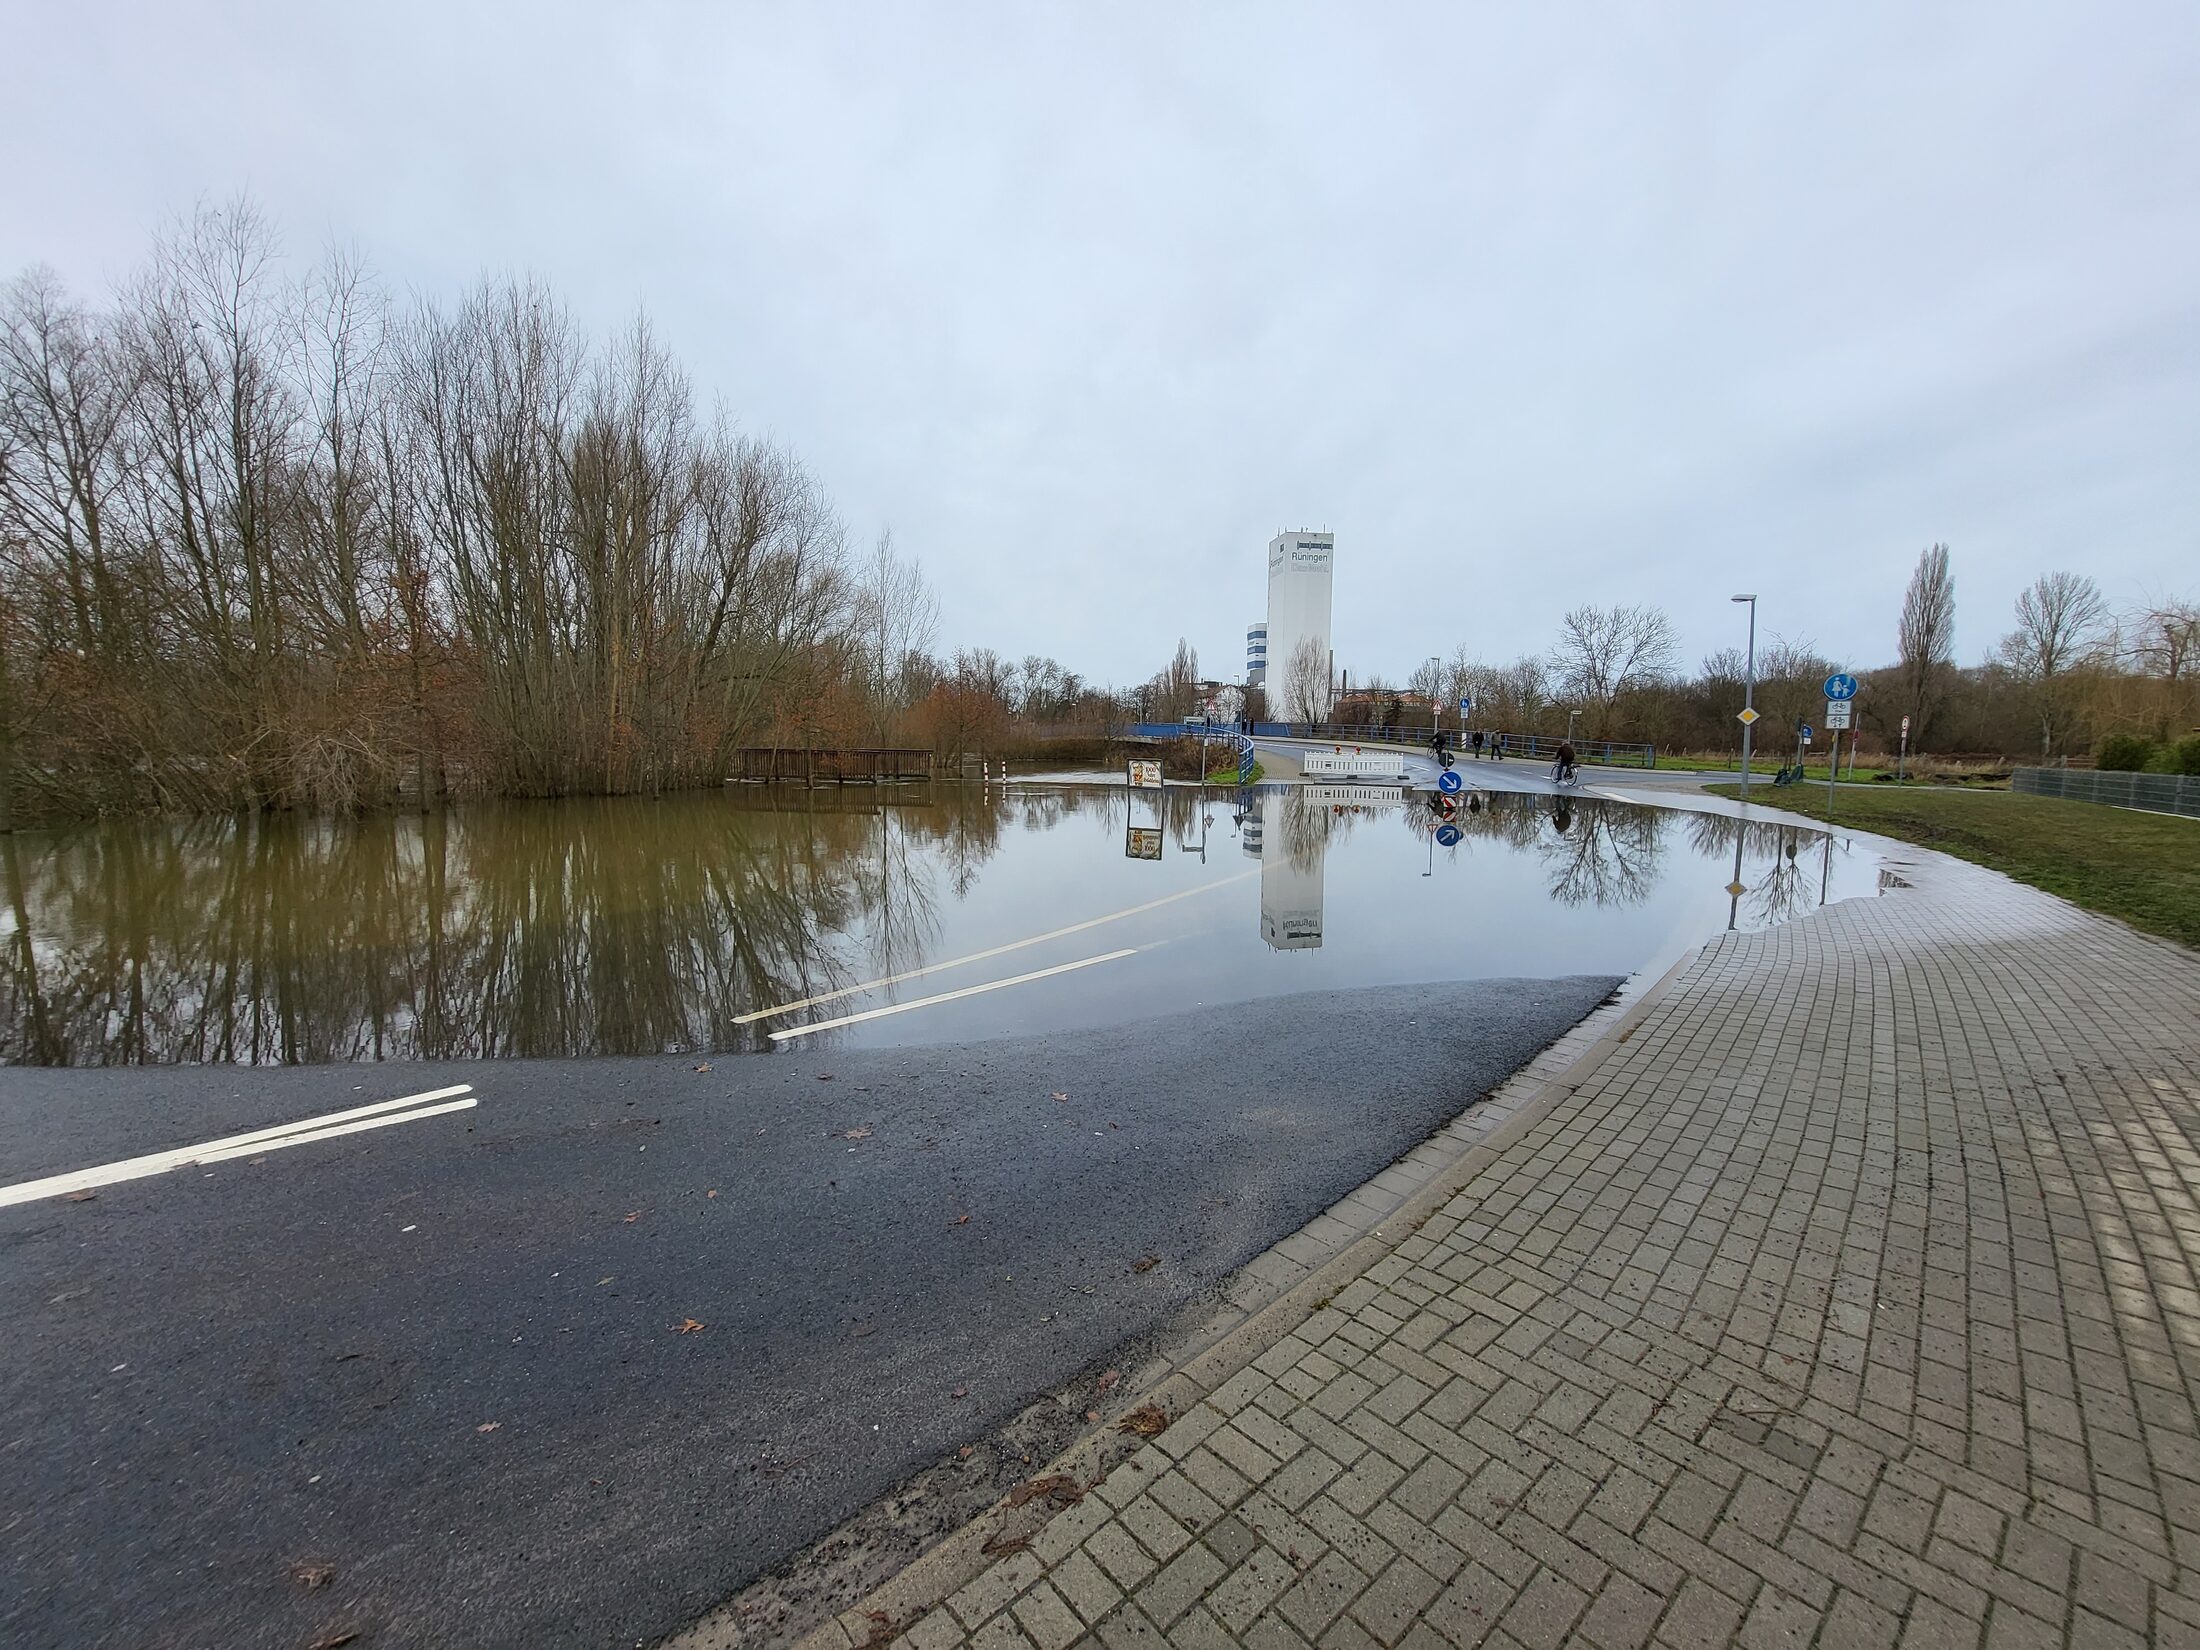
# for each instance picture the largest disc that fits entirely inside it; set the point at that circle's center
(1749, 691)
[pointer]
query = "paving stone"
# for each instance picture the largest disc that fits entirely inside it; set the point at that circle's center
(1872, 1323)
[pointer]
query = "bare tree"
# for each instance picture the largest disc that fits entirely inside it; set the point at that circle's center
(1305, 696)
(1606, 652)
(2060, 620)
(1177, 687)
(1926, 639)
(898, 615)
(2165, 645)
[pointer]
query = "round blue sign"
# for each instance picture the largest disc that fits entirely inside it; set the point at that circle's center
(1840, 685)
(1447, 836)
(1449, 782)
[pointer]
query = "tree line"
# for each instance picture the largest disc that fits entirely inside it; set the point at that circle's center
(2071, 674)
(272, 540)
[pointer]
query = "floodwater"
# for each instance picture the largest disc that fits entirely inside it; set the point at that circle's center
(710, 921)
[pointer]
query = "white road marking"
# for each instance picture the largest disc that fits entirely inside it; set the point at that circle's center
(273, 1138)
(981, 956)
(951, 996)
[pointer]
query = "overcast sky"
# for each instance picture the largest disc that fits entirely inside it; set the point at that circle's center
(1532, 305)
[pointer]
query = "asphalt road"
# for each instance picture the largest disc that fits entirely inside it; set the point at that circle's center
(445, 1361)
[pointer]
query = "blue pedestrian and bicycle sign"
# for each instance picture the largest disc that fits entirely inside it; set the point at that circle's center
(1447, 836)
(1465, 704)
(1450, 783)
(1840, 685)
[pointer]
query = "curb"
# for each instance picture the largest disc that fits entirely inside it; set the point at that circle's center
(930, 1578)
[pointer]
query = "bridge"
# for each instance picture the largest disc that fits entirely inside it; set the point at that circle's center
(1288, 751)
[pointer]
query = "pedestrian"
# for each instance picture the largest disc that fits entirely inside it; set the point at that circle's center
(1478, 744)
(1497, 746)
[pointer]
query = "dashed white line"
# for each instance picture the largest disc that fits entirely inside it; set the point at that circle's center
(981, 956)
(379, 1115)
(950, 996)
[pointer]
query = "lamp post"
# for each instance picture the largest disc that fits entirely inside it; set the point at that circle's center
(1572, 716)
(1435, 705)
(1749, 689)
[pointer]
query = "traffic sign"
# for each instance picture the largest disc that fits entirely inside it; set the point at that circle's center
(1449, 782)
(1905, 727)
(1806, 730)
(1747, 717)
(1736, 889)
(1840, 685)
(1465, 704)
(1447, 836)
(1837, 713)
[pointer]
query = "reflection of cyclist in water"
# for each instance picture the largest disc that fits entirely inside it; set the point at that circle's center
(1562, 816)
(1562, 771)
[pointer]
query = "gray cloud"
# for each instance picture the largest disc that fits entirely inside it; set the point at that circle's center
(1531, 305)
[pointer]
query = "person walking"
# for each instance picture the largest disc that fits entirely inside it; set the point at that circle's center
(1478, 744)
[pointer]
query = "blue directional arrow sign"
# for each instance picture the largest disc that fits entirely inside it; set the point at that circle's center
(1450, 783)
(1447, 836)
(1840, 685)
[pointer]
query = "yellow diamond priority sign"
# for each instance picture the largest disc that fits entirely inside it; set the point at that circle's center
(1747, 717)
(1736, 889)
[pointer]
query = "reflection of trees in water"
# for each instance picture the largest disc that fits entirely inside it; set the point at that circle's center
(1606, 853)
(1597, 852)
(1781, 863)
(604, 926)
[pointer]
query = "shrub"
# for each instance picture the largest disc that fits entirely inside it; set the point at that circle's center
(2123, 753)
(2185, 755)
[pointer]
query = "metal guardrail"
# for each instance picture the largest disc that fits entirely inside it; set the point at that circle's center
(2160, 793)
(1524, 746)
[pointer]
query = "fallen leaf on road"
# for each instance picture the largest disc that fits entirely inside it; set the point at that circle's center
(862, 1329)
(960, 1220)
(1092, 1415)
(1000, 1543)
(1147, 1421)
(967, 1451)
(960, 1392)
(824, 1077)
(312, 1575)
(332, 1640)
(1108, 1379)
(1057, 1487)
(1145, 1263)
(857, 1134)
(488, 1426)
(687, 1326)
(1060, 1096)
(705, 1066)
(81, 1197)
(632, 1218)
(713, 1192)
(882, 1629)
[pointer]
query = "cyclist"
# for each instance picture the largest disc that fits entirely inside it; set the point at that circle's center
(1562, 771)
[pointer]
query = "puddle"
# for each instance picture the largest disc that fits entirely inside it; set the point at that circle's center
(635, 926)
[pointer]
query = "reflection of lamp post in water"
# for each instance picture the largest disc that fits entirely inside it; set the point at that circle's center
(1734, 888)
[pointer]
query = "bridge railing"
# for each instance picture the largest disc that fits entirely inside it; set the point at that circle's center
(1527, 746)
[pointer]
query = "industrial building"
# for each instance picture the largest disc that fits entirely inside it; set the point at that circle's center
(1299, 662)
(1256, 655)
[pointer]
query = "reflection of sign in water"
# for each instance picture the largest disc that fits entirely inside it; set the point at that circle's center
(1447, 836)
(1353, 764)
(1142, 842)
(1145, 774)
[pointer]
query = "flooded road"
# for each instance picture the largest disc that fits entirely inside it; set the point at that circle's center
(713, 921)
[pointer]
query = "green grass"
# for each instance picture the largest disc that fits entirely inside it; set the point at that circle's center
(2142, 867)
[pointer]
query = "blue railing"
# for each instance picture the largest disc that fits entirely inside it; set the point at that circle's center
(1525, 746)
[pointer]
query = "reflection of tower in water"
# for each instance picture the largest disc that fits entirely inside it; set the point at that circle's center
(1291, 857)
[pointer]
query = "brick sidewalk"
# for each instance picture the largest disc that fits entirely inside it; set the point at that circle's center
(1849, 1301)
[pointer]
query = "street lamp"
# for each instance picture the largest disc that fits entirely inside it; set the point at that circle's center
(1435, 705)
(1749, 690)
(1572, 716)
